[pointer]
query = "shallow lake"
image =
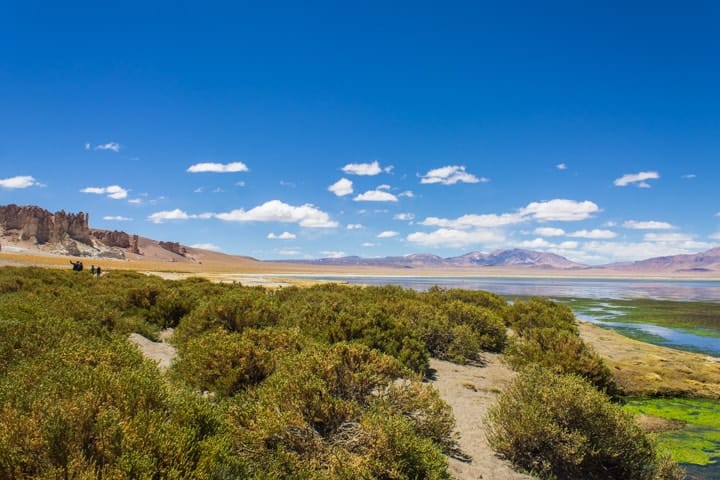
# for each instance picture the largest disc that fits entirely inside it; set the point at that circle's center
(557, 287)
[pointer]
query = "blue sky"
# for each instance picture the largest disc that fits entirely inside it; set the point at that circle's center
(314, 129)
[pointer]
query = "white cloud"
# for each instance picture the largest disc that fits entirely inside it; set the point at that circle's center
(447, 237)
(22, 181)
(282, 236)
(115, 192)
(369, 169)
(561, 166)
(549, 232)
(647, 225)
(406, 217)
(376, 196)
(368, 244)
(535, 244)
(636, 178)
(689, 176)
(342, 187)
(569, 245)
(560, 209)
(715, 236)
(354, 226)
(116, 218)
(407, 193)
(240, 184)
(595, 234)
(276, 211)
(206, 246)
(333, 254)
(112, 146)
(610, 224)
(388, 234)
(474, 221)
(87, 146)
(289, 252)
(199, 190)
(167, 215)
(667, 237)
(135, 201)
(450, 175)
(218, 167)
(384, 186)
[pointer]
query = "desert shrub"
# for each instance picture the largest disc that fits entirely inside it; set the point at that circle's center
(560, 427)
(540, 313)
(234, 310)
(487, 327)
(562, 352)
(226, 362)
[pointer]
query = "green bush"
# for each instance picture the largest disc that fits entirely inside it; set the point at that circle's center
(560, 427)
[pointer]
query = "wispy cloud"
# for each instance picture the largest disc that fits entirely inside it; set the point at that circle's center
(561, 166)
(282, 236)
(549, 232)
(475, 221)
(116, 192)
(369, 169)
(451, 175)
(376, 196)
(354, 226)
(447, 237)
(168, 215)
(111, 146)
(637, 179)
(405, 217)
(116, 218)
(206, 246)
(22, 181)
(594, 234)
(407, 193)
(689, 176)
(342, 187)
(647, 225)
(333, 254)
(388, 234)
(209, 167)
(369, 244)
(667, 237)
(276, 211)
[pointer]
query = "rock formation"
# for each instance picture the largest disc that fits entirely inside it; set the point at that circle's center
(34, 223)
(112, 238)
(174, 247)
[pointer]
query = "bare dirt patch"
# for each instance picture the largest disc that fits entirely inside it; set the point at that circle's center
(470, 390)
(161, 352)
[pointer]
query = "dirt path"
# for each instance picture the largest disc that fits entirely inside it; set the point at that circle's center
(470, 390)
(163, 353)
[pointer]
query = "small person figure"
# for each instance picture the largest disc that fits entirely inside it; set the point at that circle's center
(92, 269)
(97, 271)
(76, 266)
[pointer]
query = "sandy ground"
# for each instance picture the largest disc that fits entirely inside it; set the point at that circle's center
(470, 390)
(161, 352)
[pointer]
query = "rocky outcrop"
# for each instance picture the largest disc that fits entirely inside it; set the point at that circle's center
(173, 247)
(35, 223)
(112, 238)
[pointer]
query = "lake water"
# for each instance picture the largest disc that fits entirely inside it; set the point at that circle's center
(558, 287)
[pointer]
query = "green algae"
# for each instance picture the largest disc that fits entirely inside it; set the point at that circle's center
(698, 442)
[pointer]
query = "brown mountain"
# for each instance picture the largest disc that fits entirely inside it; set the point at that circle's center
(708, 261)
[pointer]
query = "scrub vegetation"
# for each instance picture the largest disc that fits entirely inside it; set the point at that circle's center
(323, 382)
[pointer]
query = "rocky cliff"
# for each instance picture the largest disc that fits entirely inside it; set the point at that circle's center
(41, 226)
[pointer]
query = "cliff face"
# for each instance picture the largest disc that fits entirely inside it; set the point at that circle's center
(31, 222)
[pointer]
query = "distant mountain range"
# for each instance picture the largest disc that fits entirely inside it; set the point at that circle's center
(31, 228)
(708, 261)
(500, 258)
